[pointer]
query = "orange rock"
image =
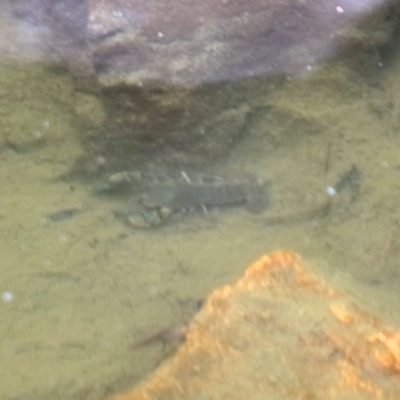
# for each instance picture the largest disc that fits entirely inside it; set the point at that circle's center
(341, 313)
(388, 355)
(279, 332)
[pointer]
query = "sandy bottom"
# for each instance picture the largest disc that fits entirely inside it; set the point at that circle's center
(77, 293)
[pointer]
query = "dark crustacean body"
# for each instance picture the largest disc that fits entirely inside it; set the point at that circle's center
(188, 196)
(159, 196)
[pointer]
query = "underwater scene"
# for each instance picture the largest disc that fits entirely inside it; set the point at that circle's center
(199, 200)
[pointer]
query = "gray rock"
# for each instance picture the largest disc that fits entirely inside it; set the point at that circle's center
(180, 82)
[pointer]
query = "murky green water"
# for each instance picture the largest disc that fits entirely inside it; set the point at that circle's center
(78, 292)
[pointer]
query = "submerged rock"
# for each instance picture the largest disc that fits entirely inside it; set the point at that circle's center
(180, 82)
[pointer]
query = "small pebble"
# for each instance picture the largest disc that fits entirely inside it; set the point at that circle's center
(331, 191)
(7, 297)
